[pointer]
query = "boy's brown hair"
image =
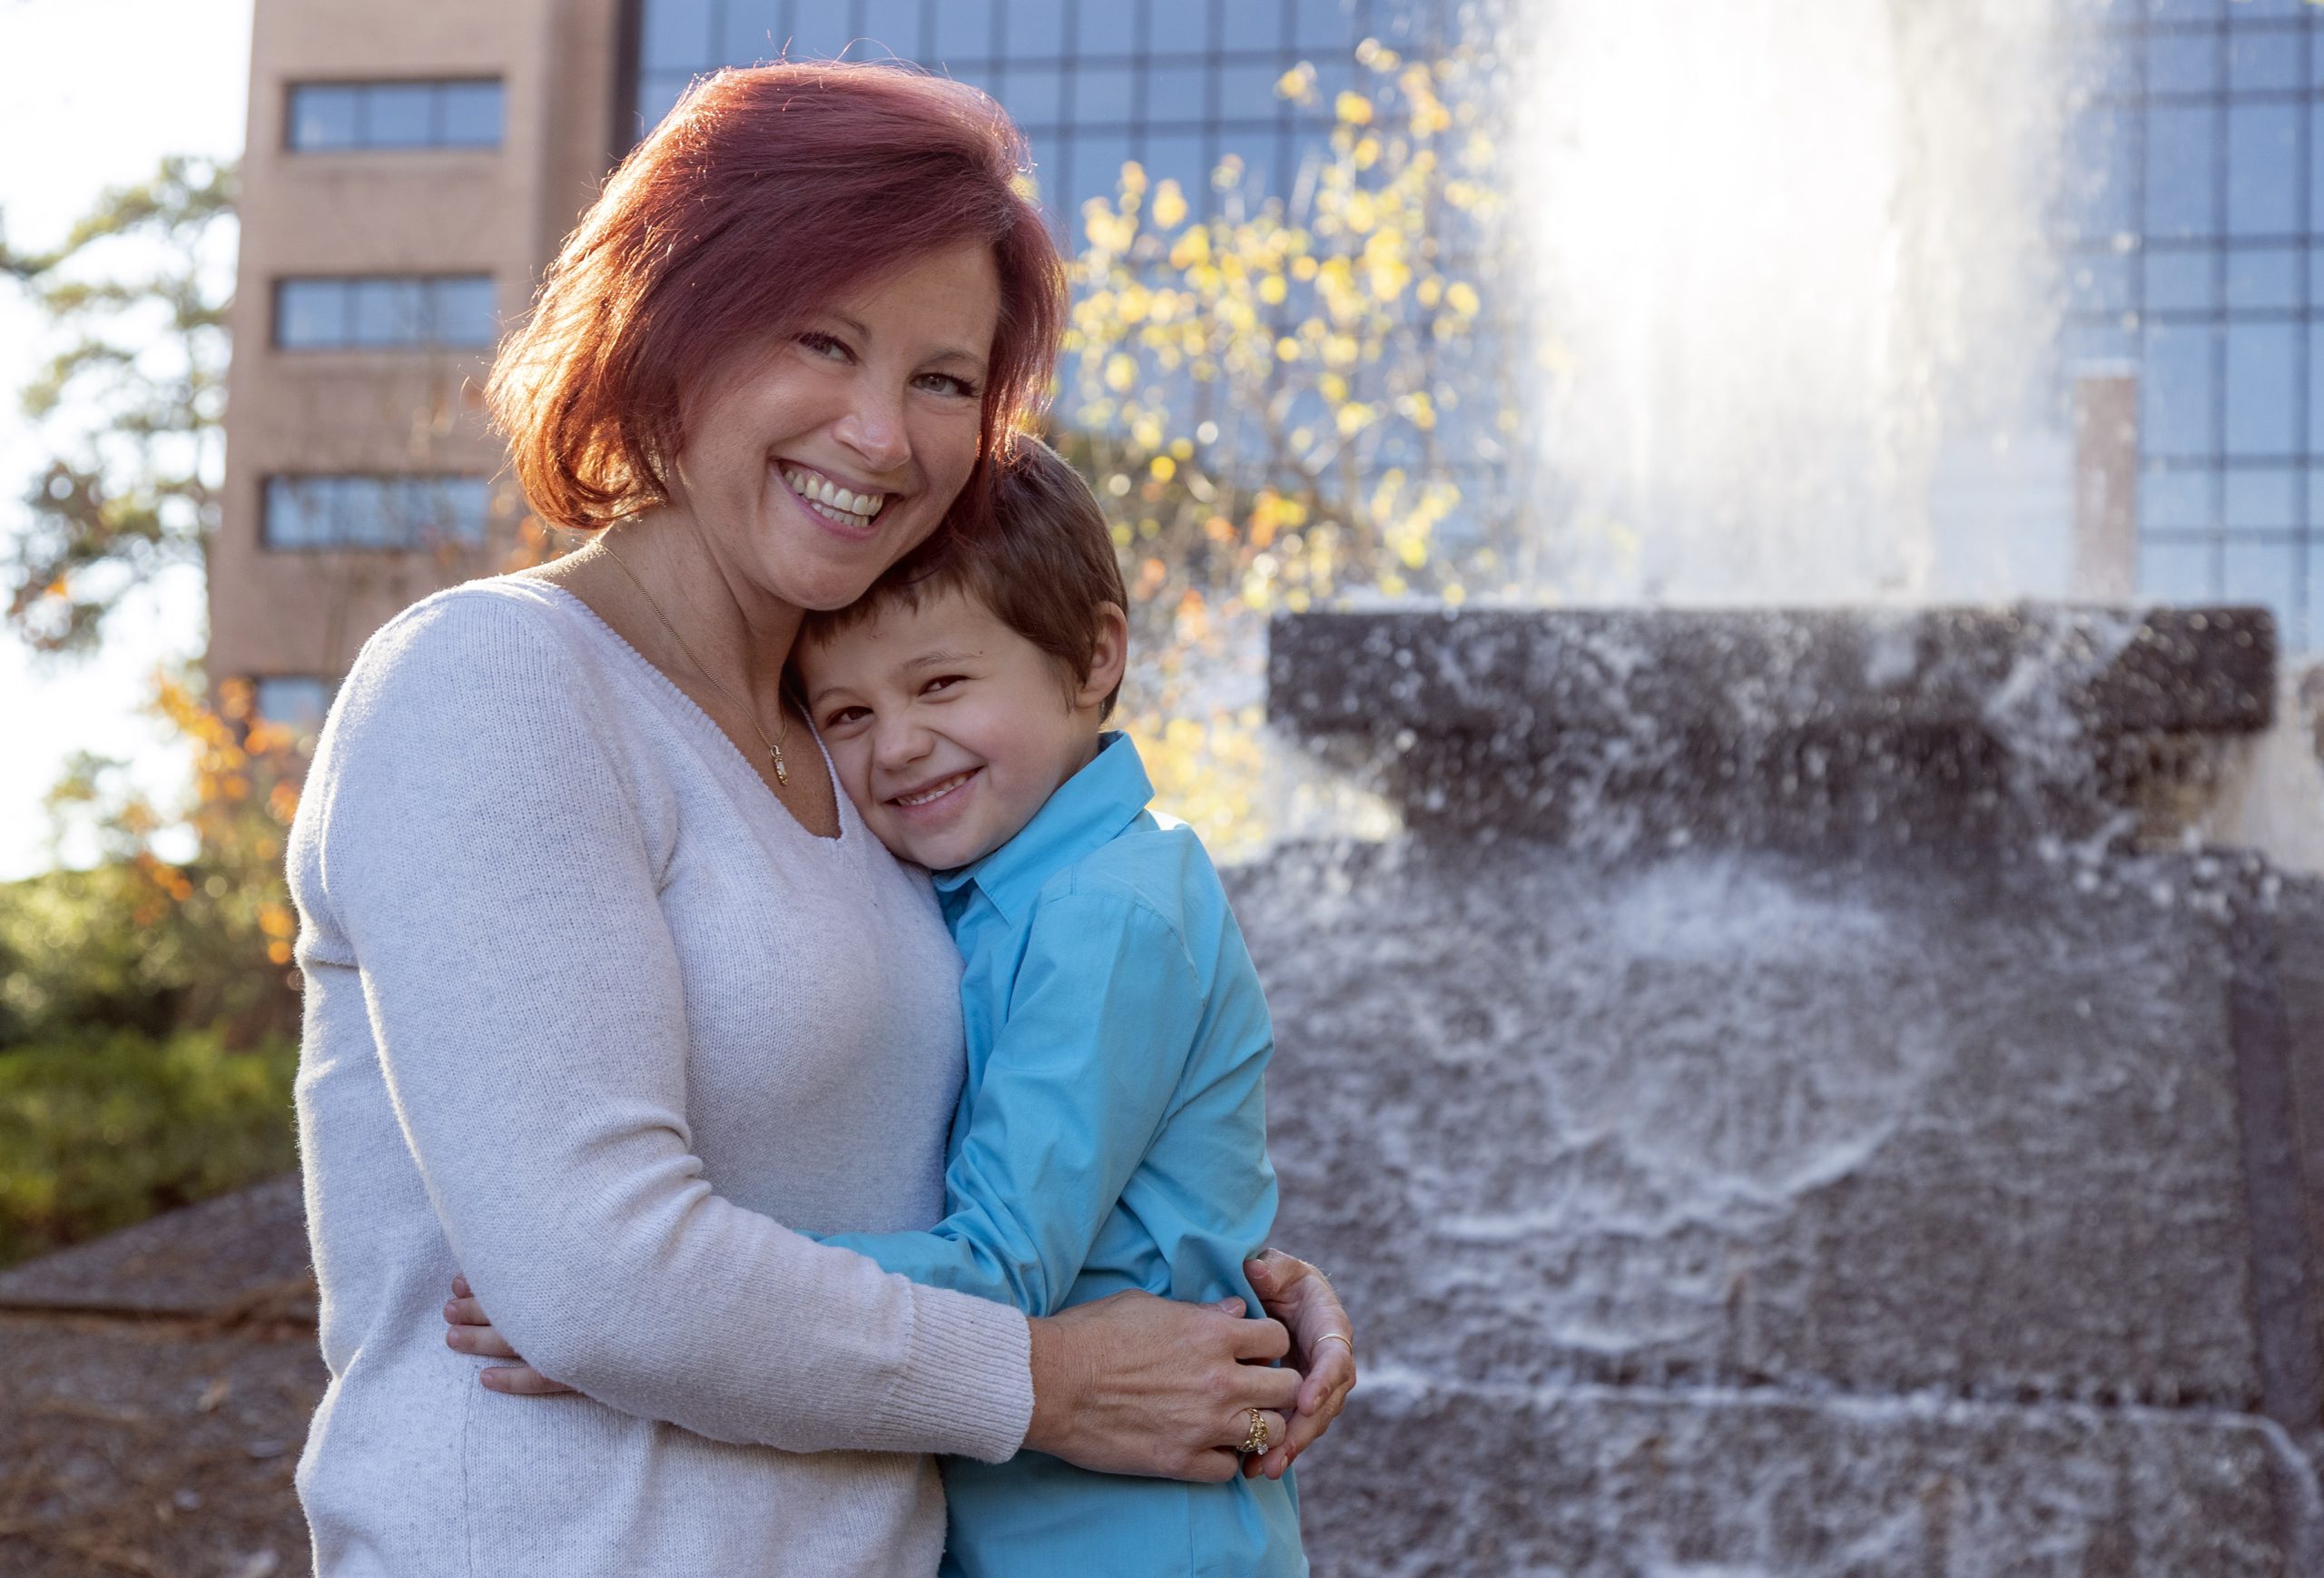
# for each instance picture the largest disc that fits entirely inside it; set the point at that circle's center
(1036, 551)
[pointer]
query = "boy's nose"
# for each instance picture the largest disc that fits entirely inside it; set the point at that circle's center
(900, 744)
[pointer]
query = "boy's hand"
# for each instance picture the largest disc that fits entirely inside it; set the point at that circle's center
(469, 1332)
(1297, 1294)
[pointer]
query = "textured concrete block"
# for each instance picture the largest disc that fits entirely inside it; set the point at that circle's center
(1885, 1128)
(204, 1259)
(1827, 728)
(1425, 1480)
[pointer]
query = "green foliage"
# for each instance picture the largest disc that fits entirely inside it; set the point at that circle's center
(143, 942)
(99, 1131)
(139, 294)
(72, 959)
(146, 1010)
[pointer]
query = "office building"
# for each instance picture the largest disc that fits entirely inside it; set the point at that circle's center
(409, 173)
(2197, 192)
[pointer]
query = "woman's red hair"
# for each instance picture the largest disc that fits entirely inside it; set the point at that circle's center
(765, 194)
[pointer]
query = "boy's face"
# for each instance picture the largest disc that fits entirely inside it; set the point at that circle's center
(949, 730)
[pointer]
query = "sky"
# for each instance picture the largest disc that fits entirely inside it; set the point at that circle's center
(102, 91)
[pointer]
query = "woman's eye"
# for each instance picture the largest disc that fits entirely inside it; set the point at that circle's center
(826, 345)
(949, 383)
(941, 682)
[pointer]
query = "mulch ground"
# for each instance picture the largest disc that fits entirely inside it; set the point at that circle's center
(154, 1393)
(156, 1447)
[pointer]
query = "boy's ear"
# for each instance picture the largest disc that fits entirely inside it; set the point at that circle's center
(1108, 658)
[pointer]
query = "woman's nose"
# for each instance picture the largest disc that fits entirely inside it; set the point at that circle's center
(874, 427)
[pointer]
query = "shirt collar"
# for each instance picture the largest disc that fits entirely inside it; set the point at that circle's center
(1088, 810)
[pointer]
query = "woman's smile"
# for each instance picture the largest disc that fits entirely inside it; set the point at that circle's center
(851, 509)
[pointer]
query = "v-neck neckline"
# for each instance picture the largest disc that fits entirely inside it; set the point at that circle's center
(844, 808)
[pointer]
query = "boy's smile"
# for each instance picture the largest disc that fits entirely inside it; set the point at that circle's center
(950, 730)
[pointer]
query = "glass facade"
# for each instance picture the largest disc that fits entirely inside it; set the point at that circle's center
(1179, 86)
(331, 117)
(297, 702)
(2194, 260)
(403, 513)
(1175, 84)
(386, 312)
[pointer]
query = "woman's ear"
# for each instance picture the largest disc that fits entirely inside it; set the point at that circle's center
(1109, 656)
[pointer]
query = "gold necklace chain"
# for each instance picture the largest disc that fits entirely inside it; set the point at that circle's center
(773, 748)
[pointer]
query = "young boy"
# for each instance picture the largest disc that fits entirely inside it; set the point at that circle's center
(1112, 1132)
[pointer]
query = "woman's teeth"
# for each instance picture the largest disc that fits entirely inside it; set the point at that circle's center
(934, 792)
(833, 502)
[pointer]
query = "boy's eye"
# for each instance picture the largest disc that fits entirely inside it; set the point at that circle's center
(840, 718)
(941, 682)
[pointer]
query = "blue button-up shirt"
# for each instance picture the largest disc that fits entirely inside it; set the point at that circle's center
(1111, 1135)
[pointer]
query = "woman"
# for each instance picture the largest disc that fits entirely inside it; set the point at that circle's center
(608, 987)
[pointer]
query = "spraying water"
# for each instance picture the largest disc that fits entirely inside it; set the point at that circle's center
(1790, 251)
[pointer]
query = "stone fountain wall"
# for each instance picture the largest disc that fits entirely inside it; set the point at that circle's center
(1792, 1104)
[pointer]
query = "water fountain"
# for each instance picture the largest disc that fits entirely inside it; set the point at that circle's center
(1799, 1095)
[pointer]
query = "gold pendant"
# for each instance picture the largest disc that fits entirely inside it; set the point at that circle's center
(781, 775)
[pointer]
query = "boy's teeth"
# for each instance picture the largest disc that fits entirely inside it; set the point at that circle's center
(925, 796)
(822, 490)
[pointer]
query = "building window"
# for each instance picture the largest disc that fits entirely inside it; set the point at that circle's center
(297, 702)
(1176, 85)
(2196, 234)
(374, 512)
(329, 117)
(439, 311)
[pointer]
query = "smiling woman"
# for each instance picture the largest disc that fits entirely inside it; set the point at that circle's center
(576, 943)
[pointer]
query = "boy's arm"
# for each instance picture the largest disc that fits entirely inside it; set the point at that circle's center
(1097, 1035)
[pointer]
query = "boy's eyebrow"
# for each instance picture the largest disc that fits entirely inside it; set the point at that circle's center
(910, 666)
(938, 659)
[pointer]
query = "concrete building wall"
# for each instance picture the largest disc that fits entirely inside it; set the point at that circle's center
(428, 211)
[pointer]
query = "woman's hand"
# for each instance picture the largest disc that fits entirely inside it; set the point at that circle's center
(1298, 1296)
(469, 1331)
(1139, 1385)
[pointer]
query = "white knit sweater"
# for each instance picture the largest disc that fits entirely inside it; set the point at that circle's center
(591, 1018)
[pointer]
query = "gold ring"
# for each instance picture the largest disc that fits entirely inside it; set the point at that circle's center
(1337, 1336)
(1256, 1440)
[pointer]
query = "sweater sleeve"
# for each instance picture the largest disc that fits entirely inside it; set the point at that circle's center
(1106, 1009)
(484, 855)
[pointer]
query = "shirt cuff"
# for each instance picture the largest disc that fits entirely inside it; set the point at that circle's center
(969, 1389)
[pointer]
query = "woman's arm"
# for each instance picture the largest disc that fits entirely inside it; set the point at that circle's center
(470, 837)
(476, 844)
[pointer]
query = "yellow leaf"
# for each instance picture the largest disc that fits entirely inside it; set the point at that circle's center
(1163, 467)
(1272, 290)
(1169, 206)
(1121, 372)
(1462, 297)
(1354, 109)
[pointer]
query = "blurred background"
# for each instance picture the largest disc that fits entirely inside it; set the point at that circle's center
(1858, 307)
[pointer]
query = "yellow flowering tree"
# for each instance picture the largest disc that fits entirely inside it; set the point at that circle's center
(1272, 397)
(204, 940)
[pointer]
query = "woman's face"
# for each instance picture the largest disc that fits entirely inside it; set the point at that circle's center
(813, 463)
